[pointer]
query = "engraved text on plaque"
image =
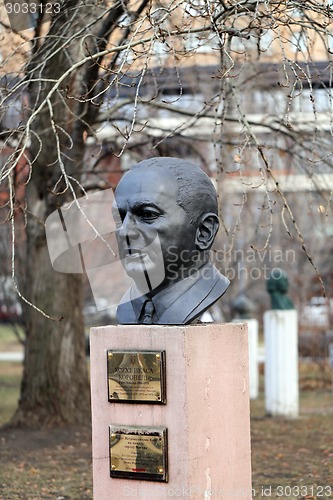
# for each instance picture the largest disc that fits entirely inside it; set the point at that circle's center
(138, 452)
(136, 376)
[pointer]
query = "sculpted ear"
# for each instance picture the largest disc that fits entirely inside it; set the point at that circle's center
(206, 231)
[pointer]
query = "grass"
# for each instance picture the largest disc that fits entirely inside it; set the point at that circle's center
(8, 339)
(10, 378)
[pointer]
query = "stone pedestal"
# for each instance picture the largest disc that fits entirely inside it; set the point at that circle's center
(253, 341)
(281, 363)
(207, 412)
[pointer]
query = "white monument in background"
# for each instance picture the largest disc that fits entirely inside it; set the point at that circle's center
(281, 350)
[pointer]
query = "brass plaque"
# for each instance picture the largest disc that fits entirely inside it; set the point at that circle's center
(139, 452)
(136, 377)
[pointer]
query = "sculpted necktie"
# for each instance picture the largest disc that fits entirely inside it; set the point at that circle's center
(148, 312)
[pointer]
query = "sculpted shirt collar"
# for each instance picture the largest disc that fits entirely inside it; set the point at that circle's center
(166, 297)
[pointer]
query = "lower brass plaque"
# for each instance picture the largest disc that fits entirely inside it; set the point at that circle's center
(139, 452)
(136, 377)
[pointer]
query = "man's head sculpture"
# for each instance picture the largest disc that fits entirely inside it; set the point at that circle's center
(167, 219)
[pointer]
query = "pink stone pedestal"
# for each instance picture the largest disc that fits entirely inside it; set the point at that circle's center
(207, 412)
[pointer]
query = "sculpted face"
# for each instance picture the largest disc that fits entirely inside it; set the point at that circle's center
(277, 282)
(153, 230)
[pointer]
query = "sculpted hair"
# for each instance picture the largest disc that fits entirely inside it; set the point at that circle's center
(196, 193)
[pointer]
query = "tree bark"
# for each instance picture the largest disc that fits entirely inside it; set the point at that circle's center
(55, 386)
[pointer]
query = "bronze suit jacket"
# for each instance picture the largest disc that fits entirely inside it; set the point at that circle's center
(180, 303)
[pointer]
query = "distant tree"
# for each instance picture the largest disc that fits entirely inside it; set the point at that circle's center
(154, 76)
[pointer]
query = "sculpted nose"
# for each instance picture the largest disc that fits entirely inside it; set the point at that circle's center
(128, 228)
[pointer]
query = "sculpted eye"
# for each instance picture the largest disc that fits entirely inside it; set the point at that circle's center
(149, 215)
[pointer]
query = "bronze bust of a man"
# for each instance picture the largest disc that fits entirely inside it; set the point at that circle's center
(277, 286)
(167, 218)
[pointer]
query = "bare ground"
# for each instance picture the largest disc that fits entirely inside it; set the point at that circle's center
(45, 464)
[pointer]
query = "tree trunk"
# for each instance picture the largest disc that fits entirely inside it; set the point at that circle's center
(55, 386)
